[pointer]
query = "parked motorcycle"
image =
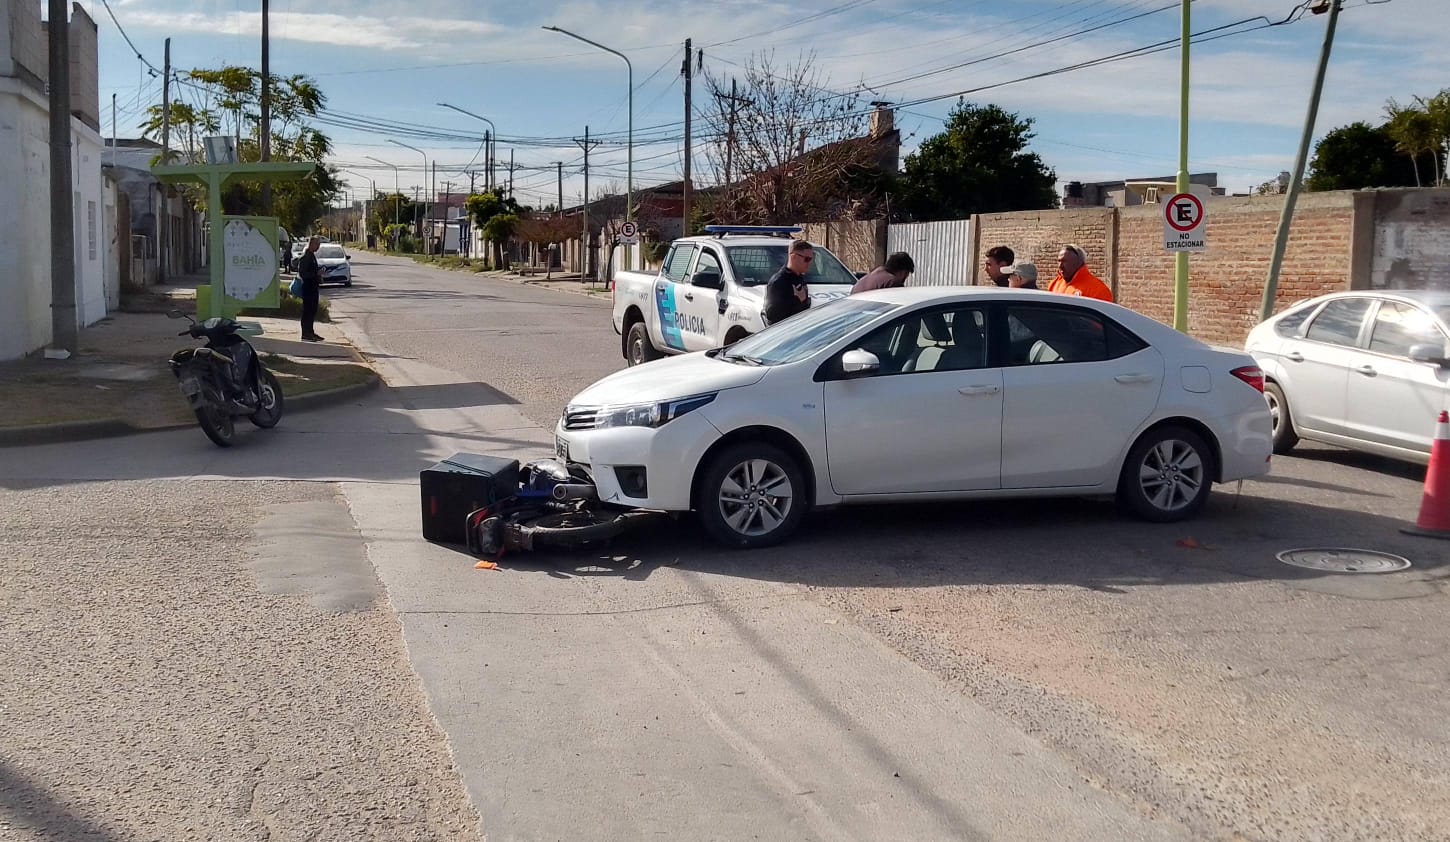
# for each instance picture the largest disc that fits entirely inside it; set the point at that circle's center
(225, 379)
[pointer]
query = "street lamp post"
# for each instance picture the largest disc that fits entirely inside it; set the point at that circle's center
(372, 196)
(487, 142)
(425, 176)
(397, 191)
(629, 183)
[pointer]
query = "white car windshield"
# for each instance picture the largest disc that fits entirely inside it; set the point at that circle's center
(755, 265)
(801, 336)
(330, 252)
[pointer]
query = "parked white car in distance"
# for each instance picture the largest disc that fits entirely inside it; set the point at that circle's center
(926, 393)
(710, 291)
(1366, 370)
(333, 263)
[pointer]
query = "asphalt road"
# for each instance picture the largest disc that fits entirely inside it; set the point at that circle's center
(989, 671)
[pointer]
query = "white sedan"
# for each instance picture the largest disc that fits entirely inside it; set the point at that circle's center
(924, 393)
(1365, 370)
(333, 264)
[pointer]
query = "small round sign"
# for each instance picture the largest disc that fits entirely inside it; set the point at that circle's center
(628, 229)
(1183, 212)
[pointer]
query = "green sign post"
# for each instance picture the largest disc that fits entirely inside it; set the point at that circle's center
(236, 245)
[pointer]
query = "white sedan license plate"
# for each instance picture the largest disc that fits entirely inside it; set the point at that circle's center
(561, 449)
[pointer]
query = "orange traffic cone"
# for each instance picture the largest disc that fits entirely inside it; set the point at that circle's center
(1434, 519)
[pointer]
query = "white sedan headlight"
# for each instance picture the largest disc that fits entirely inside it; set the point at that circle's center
(647, 414)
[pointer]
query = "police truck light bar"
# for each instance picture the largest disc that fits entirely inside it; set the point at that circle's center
(754, 230)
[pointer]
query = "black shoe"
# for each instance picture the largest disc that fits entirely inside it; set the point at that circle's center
(313, 338)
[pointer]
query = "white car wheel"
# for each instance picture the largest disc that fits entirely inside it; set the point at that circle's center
(1167, 476)
(752, 495)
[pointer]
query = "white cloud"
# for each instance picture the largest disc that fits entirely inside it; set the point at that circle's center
(317, 27)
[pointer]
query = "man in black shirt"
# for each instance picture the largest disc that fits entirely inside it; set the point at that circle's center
(311, 275)
(786, 293)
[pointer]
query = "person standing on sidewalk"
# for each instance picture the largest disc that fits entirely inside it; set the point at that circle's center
(311, 276)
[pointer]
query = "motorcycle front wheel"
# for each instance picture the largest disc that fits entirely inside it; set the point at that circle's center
(217, 425)
(269, 402)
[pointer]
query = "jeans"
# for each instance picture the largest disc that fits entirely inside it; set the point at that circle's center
(310, 294)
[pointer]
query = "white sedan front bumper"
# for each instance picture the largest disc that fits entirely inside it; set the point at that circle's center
(668, 456)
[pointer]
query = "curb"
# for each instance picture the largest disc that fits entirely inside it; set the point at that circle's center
(111, 428)
(521, 280)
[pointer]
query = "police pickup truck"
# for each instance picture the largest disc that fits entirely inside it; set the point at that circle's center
(711, 291)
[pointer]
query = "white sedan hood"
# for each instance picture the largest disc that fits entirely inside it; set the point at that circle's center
(668, 379)
(331, 261)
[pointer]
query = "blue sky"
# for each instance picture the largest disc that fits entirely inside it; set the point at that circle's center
(1248, 102)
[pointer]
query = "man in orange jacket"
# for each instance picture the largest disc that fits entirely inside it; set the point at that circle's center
(1073, 277)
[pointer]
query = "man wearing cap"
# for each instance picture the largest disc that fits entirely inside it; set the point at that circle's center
(888, 276)
(1021, 275)
(1073, 277)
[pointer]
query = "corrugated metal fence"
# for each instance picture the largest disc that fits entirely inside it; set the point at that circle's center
(942, 251)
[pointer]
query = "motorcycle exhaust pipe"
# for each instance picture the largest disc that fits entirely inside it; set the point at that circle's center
(564, 492)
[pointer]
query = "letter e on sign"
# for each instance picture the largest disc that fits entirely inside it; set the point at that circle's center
(1184, 223)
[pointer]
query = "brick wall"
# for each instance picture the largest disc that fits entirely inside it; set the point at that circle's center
(1125, 248)
(1037, 237)
(1226, 282)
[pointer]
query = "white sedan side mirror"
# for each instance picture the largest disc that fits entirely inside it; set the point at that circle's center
(857, 362)
(1429, 354)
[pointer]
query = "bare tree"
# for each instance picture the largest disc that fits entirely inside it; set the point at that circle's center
(784, 148)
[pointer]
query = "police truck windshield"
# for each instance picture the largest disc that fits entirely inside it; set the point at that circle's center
(754, 265)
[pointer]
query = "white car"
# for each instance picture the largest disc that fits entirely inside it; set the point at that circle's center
(333, 264)
(1364, 370)
(924, 393)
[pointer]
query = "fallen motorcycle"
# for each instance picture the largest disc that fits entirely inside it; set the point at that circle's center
(225, 379)
(555, 506)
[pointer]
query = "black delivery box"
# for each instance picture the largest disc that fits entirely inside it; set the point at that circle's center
(462, 483)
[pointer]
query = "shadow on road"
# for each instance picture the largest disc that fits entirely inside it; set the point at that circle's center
(1051, 542)
(25, 805)
(449, 396)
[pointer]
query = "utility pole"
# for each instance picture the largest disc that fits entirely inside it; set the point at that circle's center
(511, 173)
(730, 130)
(488, 160)
(560, 206)
(432, 200)
(265, 132)
(1281, 239)
(62, 213)
(163, 235)
(1180, 277)
(447, 200)
(471, 174)
(586, 144)
(113, 130)
(685, 184)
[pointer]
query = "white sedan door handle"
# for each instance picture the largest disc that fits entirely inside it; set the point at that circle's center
(1294, 357)
(1134, 378)
(1367, 370)
(979, 390)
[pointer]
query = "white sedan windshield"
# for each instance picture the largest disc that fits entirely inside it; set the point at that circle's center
(330, 253)
(801, 336)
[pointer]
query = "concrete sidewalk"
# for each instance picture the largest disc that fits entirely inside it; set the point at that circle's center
(119, 382)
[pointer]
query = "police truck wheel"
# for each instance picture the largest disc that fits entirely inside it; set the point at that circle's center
(638, 348)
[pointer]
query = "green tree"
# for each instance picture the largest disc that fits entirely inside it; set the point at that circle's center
(484, 208)
(1414, 133)
(234, 92)
(386, 209)
(1357, 156)
(499, 230)
(978, 164)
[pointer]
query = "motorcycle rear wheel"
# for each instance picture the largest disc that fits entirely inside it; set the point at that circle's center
(217, 424)
(269, 410)
(571, 529)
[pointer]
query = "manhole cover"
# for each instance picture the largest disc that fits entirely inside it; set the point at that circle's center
(1342, 560)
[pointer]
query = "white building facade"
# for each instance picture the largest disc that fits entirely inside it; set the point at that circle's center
(25, 270)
